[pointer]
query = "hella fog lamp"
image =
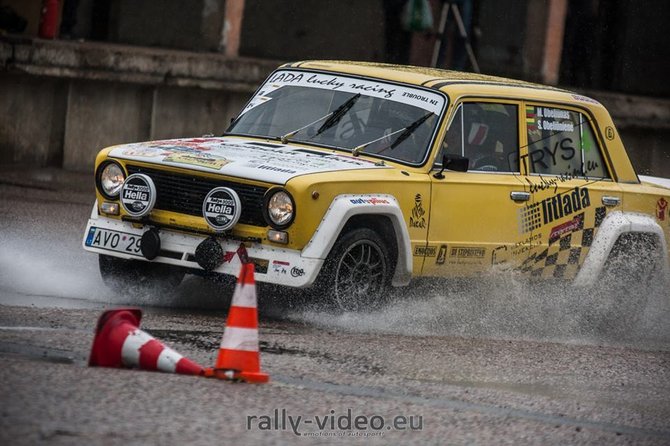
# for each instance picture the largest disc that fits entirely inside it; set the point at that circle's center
(138, 195)
(110, 180)
(280, 209)
(278, 236)
(222, 208)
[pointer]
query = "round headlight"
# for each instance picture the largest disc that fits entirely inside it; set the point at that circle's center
(280, 208)
(111, 180)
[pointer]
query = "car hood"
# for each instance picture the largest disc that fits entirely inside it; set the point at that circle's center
(262, 161)
(656, 181)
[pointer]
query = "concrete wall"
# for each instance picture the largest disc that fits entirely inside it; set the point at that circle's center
(193, 112)
(66, 122)
(100, 114)
(31, 124)
(61, 102)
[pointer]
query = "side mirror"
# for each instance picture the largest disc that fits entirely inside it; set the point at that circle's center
(453, 162)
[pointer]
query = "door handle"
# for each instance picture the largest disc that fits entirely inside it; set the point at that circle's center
(519, 196)
(611, 201)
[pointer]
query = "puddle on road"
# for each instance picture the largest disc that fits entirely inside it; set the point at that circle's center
(509, 308)
(211, 340)
(47, 354)
(53, 265)
(48, 270)
(202, 340)
(36, 267)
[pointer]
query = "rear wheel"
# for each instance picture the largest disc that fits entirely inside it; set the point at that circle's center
(357, 272)
(127, 276)
(629, 276)
(633, 262)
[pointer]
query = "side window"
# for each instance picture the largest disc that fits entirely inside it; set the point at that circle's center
(487, 134)
(562, 142)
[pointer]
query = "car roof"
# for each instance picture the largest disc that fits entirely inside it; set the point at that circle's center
(463, 86)
(454, 82)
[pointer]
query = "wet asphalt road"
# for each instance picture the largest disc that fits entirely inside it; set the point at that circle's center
(464, 367)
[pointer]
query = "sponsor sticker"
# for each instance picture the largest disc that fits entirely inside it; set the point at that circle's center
(138, 195)
(415, 97)
(464, 252)
(222, 208)
(297, 272)
(418, 219)
(573, 225)
(425, 251)
(661, 208)
(196, 160)
(372, 200)
(280, 266)
(441, 255)
(579, 97)
(553, 208)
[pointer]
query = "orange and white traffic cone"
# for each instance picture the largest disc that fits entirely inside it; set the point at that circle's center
(239, 357)
(120, 343)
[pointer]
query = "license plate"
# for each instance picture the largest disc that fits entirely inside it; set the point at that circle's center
(114, 241)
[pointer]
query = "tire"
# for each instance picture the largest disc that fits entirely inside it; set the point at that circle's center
(634, 261)
(625, 284)
(131, 276)
(357, 273)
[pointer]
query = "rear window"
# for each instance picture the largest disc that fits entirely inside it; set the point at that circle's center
(562, 142)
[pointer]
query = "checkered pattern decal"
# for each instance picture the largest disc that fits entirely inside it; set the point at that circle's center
(564, 255)
(530, 218)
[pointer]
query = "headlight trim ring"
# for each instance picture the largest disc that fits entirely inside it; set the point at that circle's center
(98, 178)
(266, 208)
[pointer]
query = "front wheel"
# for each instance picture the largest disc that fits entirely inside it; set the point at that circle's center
(357, 272)
(131, 276)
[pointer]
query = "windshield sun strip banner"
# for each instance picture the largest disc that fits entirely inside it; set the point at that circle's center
(426, 100)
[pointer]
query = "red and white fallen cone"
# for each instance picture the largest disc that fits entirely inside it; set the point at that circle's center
(120, 343)
(239, 357)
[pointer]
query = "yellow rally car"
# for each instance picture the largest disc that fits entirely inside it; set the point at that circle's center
(349, 177)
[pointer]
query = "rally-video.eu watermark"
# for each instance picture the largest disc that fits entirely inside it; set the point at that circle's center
(333, 423)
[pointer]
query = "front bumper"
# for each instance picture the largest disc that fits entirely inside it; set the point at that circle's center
(273, 264)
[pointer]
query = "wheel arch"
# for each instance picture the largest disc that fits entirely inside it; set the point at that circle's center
(380, 212)
(615, 226)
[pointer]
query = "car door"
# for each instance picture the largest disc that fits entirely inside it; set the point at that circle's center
(571, 186)
(473, 214)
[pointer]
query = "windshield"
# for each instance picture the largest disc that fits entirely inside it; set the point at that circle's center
(383, 119)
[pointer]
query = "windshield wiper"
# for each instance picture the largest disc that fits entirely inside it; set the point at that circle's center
(406, 132)
(333, 118)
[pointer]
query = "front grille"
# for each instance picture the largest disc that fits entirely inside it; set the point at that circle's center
(184, 193)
